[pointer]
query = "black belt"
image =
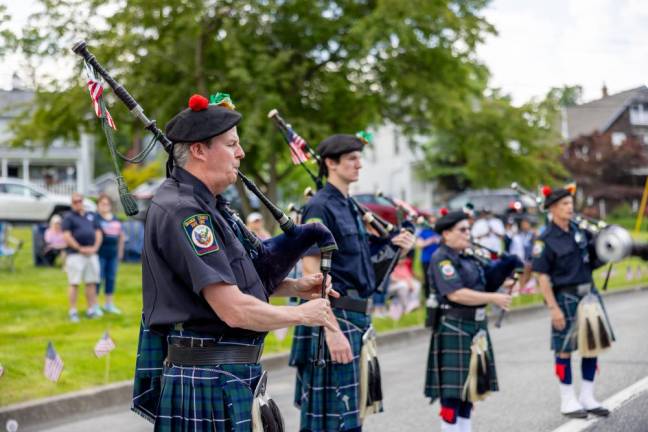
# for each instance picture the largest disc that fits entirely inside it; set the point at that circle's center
(579, 289)
(350, 304)
(473, 314)
(182, 354)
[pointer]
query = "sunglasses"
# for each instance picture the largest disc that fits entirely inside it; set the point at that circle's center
(77, 201)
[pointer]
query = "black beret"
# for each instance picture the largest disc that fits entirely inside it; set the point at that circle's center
(201, 121)
(555, 196)
(339, 144)
(450, 220)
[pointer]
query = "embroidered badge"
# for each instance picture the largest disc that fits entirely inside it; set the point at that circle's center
(313, 220)
(538, 247)
(447, 269)
(200, 233)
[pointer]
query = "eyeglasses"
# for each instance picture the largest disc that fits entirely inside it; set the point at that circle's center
(77, 201)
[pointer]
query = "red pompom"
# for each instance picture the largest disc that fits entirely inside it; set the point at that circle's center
(546, 191)
(443, 211)
(198, 102)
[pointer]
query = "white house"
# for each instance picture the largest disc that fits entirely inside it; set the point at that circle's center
(389, 165)
(61, 167)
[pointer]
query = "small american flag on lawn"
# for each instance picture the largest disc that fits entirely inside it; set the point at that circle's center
(53, 363)
(297, 146)
(1, 370)
(104, 346)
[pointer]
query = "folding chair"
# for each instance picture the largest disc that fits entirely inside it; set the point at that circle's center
(9, 247)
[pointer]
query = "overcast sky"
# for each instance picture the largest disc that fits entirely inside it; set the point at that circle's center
(541, 44)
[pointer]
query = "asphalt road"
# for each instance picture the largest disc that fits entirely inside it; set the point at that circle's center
(528, 399)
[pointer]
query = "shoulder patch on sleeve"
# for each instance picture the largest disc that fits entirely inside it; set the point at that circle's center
(200, 232)
(538, 247)
(313, 220)
(447, 269)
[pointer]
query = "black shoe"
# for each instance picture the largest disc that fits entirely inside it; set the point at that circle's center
(599, 411)
(578, 414)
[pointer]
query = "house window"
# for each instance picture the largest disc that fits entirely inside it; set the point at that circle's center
(639, 114)
(618, 138)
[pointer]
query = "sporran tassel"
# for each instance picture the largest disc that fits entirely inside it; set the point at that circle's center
(604, 337)
(376, 382)
(591, 340)
(483, 374)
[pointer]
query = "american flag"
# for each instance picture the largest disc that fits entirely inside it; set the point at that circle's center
(96, 90)
(1, 370)
(53, 363)
(297, 146)
(104, 346)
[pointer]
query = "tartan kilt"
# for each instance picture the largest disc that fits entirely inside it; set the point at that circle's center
(337, 385)
(208, 398)
(449, 358)
(566, 340)
(151, 351)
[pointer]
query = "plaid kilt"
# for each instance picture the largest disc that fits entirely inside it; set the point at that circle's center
(449, 358)
(566, 340)
(151, 351)
(206, 398)
(337, 385)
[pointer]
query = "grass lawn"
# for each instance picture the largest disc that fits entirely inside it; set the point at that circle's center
(35, 308)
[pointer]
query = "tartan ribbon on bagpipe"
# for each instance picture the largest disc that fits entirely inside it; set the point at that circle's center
(96, 91)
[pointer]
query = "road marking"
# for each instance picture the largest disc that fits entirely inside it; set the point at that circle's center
(611, 403)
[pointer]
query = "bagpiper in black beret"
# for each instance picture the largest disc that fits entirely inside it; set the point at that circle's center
(203, 119)
(339, 144)
(553, 196)
(449, 219)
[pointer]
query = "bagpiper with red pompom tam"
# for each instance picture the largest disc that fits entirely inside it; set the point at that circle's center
(461, 365)
(564, 257)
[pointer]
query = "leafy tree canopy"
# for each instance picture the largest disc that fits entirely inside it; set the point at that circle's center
(328, 66)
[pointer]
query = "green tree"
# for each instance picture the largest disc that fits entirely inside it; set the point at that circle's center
(492, 143)
(328, 66)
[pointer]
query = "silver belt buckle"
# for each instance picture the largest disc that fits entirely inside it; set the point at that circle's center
(584, 289)
(480, 314)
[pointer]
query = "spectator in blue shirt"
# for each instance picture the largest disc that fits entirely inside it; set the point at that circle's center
(83, 236)
(110, 252)
(428, 241)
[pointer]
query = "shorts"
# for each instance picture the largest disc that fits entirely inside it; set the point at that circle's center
(82, 268)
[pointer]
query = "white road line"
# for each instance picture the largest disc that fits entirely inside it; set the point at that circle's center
(611, 403)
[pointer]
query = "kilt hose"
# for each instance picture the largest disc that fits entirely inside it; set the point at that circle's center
(337, 385)
(566, 340)
(449, 358)
(200, 398)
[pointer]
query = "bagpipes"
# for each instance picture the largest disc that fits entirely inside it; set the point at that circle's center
(615, 243)
(384, 255)
(273, 258)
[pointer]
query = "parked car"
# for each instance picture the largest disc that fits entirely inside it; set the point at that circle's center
(21, 201)
(143, 195)
(499, 201)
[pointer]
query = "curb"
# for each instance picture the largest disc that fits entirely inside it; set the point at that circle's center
(40, 411)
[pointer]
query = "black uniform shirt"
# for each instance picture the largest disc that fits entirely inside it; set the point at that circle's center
(568, 257)
(450, 271)
(351, 267)
(188, 245)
